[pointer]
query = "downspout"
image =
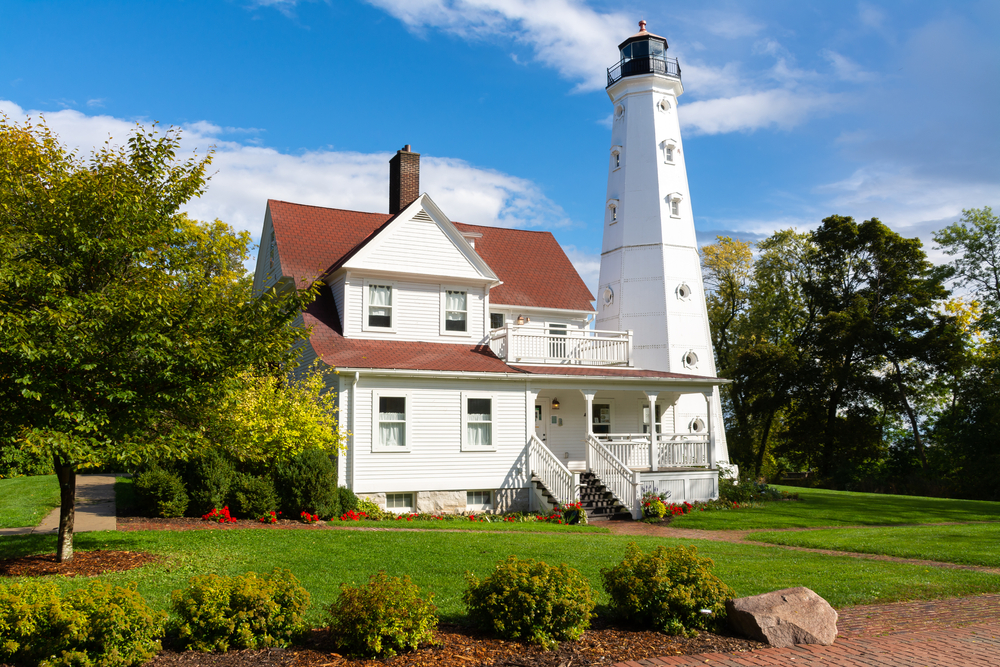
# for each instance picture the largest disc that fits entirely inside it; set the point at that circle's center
(354, 421)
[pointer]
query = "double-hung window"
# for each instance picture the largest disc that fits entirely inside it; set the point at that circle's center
(391, 422)
(456, 311)
(477, 422)
(379, 305)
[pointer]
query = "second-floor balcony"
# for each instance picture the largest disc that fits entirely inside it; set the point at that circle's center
(535, 344)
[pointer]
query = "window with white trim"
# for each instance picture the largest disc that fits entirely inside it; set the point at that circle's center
(674, 201)
(496, 320)
(400, 503)
(477, 422)
(612, 211)
(456, 311)
(697, 425)
(601, 418)
(391, 421)
(690, 359)
(478, 501)
(645, 418)
(670, 150)
(380, 300)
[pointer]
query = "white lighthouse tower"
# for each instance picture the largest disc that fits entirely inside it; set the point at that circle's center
(650, 271)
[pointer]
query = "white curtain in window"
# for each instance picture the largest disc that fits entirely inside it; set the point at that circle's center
(391, 434)
(454, 306)
(479, 421)
(480, 434)
(379, 299)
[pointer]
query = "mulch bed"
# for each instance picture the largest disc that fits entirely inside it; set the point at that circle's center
(83, 563)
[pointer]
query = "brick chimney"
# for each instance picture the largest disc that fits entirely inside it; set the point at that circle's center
(404, 179)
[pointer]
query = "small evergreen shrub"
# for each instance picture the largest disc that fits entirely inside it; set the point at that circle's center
(97, 626)
(15, 462)
(666, 589)
(208, 479)
(308, 483)
(532, 601)
(217, 613)
(252, 496)
(382, 618)
(347, 500)
(159, 492)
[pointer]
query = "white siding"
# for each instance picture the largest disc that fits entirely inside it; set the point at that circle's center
(436, 461)
(268, 269)
(416, 312)
(420, 247)
(337, 288)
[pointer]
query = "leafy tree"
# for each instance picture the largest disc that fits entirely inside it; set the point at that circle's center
(975, 244)
(122, 322)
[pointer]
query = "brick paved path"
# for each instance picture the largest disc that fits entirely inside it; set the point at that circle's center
(959, 632)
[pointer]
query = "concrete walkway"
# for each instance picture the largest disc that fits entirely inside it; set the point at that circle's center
(95, 509)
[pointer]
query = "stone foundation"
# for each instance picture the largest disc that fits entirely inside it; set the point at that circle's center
(440, 502)
(454, 502)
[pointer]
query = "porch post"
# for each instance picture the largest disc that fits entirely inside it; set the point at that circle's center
(711, 431)
(654, 449)
(588, 396)
(529, 431)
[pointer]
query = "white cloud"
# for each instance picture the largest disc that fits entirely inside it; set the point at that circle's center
(846, 69)
(96, 103)
(245, 176)
(744, 113)
(566, 35)
(870, 17)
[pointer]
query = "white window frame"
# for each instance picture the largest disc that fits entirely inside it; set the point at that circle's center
(503, 320)
(680, 289)
(614, 417)
(466, 446)
(697, 425)
(480, 507)
(613, 211)
(468, 309)
(670, 151)
(377, 446)
(674, 200)
(687, 363)
(401, 510)
(394, 296)
(616, 158)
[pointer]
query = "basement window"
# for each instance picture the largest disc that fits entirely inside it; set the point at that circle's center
(400, 503)
(478, 501)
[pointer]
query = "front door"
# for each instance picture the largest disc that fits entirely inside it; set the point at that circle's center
(541, 420)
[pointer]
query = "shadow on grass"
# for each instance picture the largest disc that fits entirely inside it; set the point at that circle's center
(15, 546)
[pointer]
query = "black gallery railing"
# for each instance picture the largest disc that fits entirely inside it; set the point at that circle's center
(645, 65)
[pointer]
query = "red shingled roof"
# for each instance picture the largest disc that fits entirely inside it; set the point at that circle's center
(533, 267)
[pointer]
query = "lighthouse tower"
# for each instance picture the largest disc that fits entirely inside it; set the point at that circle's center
(650, 271)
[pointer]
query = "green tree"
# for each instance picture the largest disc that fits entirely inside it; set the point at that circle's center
(975, 245)
(121, 320)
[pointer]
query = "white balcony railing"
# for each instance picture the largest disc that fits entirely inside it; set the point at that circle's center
(668, 450)
(534, 344)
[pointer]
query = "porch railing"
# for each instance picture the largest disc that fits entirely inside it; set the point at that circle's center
(615, 475)
(553, 345)
(560, 482)
(666, 450)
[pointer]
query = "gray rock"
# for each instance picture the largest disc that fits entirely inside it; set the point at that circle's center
(784, 618)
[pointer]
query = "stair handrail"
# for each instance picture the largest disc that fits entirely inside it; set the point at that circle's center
(553, 474)
(618, 478)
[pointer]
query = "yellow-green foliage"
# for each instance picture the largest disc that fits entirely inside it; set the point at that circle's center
(383, 617)
(270, 417)
(666, 590)
(250, 611)
(97, 626)
(372, 510)
(529, 600)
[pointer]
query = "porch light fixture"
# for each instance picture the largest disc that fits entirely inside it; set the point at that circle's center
(520, 319)
(555, 403)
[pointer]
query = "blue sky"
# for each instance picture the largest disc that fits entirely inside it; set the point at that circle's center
(793, 110)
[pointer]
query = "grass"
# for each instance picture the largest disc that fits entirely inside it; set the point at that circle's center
(24, 501)
(975, 544)
(819, 507)
(436, 561)
(519, 527)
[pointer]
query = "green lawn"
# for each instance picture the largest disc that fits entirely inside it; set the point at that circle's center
(24, 501)
(519, 527)
(819, 507)
(974, 544)
(436, 561)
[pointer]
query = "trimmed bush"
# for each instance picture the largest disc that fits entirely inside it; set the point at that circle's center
(666, 590)
(531, 601)
(308, 483)
(208, 479)
(382, 618)
(159, 492)
(252, 496)
(97, 626)
(250, 611)
(347, 500)
(371, 510)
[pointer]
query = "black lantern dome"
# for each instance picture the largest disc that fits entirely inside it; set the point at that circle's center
(644, 53)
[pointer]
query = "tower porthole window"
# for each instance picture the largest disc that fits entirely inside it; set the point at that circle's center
(690, 359)
(619, 111)
(697, 425)
(609, 296)
(663, 105)
(684, 292)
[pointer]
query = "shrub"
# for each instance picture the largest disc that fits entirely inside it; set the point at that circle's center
(346, 499)
(383, 617)
(666, 590)
(15, 462)
(252, 496)
(250, 611)
(372, 511)
(529, 600)
(100, 626)
(208, 479)
(308, 483)
(160, 493)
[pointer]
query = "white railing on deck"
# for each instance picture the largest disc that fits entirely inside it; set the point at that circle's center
(616, 477)
(546, 345)
(669, 450)
(551, 472)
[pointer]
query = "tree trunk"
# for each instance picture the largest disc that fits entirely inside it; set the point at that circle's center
(830, 437)
(66, 474)
(759, 461)
(911, 415)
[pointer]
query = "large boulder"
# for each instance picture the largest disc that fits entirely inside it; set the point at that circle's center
(784, 618)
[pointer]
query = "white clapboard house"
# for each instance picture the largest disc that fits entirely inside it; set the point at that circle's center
(470, 374)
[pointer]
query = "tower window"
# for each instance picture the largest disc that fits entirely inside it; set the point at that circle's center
(684, 291)
(675, 208)
(690, 359)
(612, 211)
(674, 201)
(668, 154)
(618, 160)
(697, 425)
